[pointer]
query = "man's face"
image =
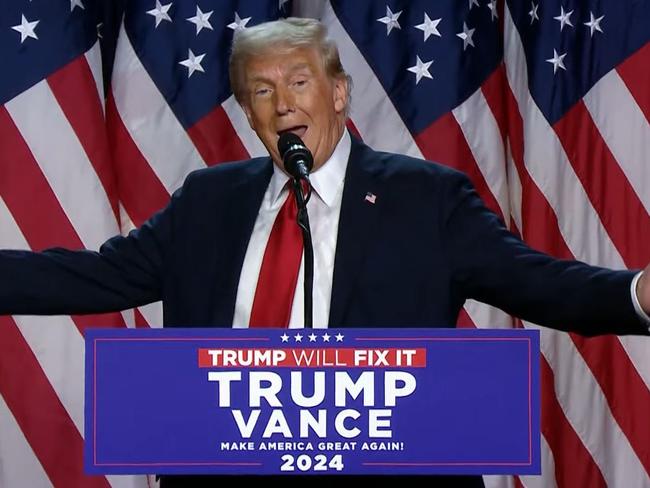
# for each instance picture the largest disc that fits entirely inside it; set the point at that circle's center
(289, 90)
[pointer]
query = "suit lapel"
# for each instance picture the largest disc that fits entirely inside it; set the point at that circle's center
(357, 222)
(237, 225)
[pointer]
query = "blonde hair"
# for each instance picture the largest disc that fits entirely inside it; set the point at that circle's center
(292, 32)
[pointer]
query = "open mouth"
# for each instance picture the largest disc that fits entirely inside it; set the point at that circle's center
(298, 130)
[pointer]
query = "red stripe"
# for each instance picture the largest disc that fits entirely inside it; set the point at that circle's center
(140, 190)
(464, 321)
(140, 321)
(574, 466)
(517, 482)
(353, 129)
(610, 193)
(32, 202)
(216, 139)
(444, 142)
(635, 72)
(74, 88)
(39, 413)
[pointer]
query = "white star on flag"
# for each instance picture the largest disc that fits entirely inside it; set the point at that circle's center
(339, 337)
(239, 23)
(76, 3)
(193, 63)
(161, 12)
(564, 18)
(472, 3)
(421, 70)
(284, 337)
(297, 338)
(533, 12)
(557, 61)
(326, 337)
(492, 5)
(26, 29)
(390, 20)
(312, 337)
(201, 20)
(429, 27)
(466, 36)
(594, 23)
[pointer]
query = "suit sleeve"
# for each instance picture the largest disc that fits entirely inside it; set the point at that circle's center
(493, 266)
(126, 272)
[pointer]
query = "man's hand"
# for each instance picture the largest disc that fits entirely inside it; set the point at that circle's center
(643, 290)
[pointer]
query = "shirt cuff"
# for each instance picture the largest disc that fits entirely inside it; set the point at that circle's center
(635, 301)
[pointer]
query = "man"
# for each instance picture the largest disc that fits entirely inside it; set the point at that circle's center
(398, 241)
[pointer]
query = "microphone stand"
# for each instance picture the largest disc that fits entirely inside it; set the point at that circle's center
(303, 223)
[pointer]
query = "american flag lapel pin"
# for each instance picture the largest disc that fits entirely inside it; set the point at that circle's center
(371, 198)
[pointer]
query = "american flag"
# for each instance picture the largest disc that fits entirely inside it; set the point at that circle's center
(544, 104)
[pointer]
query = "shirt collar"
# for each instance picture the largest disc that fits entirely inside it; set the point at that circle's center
(326, 181)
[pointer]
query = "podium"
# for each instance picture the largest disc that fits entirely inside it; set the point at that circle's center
(324, 401)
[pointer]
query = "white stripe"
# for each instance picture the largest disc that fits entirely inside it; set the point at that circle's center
(638, 349)
(377, 120)
(19, 466)
(624, 129)
(483, 137)
(498, 481)
(549, 167)
(514, 189)
(588, 412)
(487, 316)
(152, 125)
(238, 119)
(547, 480)
(153, 314)
(64, 163)
(55, 341)
(94, 60)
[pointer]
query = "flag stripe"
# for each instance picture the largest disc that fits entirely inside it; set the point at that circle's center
(140, 190)
(19, 466)
(626, 221)
(238, 120)
(73, 87)
(635, 72)
(94, 62)
(626, 131)
(39, 413)
(93, 220)
(216, 139)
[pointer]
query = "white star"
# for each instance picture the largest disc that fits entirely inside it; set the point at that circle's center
(312, 337)
(297, 338)
(594, 24)
(339, 337)
(76, 3)
(533, 12)
(201, 20)
(564, 18)
(326, 337)
(421, 69)
(284, 337)
(557, 61)
(193, 63)
(429, 27)
(26, 29)
(390, 20)
(160, 12)
(493, 9)
(472, 3)
(239, 23)
(466, 36)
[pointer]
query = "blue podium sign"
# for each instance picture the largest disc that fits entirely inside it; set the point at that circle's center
(323, 401)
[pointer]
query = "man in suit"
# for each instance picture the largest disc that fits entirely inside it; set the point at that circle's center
(398, 241)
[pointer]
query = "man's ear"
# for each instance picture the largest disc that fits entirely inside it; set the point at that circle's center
(340, 94)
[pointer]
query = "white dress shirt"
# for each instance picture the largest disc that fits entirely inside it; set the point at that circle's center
(324, 208)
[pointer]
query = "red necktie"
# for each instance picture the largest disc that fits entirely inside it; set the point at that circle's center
(276, 284)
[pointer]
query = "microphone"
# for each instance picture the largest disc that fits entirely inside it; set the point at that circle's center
(297, 159)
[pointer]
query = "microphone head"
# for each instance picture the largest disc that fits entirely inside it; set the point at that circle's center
(295, 155)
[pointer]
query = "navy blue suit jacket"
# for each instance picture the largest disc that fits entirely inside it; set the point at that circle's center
(410, 259)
